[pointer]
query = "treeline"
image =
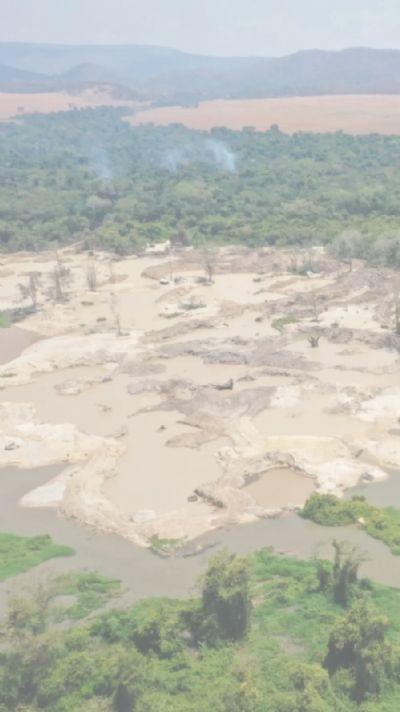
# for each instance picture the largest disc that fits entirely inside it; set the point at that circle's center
(267, 634)
(88, 175)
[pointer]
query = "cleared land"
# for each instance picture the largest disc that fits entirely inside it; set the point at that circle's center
(181, 404)
(353, 114)
(12, 105)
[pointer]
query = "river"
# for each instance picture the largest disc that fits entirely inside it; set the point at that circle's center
(144, 573)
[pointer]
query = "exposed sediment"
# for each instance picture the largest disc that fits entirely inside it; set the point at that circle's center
(168, 395)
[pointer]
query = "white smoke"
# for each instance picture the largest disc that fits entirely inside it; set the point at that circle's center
(210, 151)
(174, 159)
(224, 158)
(100, 164)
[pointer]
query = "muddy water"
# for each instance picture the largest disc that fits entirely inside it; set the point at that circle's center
(143, 573)
(279, 487)
(154, 476)
(383, 494)
(13, 341)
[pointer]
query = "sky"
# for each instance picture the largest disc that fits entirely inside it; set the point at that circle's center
(218, 27)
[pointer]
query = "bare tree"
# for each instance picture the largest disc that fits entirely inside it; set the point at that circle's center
(313, 340)
(209, 265)
(91, 276)
(30, 290)
(62, 269)
(112, 272)
(397, 317)
(56, 279)
(114, 312)
(314, 306)
(60, 277)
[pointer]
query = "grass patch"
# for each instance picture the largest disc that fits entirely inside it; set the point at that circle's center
(279, 324)
(4, 320)
(19, 554)
(163, 546)
(381, 523)
(91, 590)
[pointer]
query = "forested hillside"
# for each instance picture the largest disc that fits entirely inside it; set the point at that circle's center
(89, 175)
(168, 75)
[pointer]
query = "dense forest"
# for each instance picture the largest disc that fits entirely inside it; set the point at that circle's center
(265, 634)
(88, 175)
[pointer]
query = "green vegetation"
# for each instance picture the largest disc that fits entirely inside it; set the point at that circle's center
(295, 650)
(164, 546)
(89, 590)
(4, 320)
(379, 522)
(18, 554)
(279, 324)
(88, 175)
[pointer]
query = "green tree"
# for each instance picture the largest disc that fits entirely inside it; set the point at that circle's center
(345, 571)
(357, 644)
(225, 606)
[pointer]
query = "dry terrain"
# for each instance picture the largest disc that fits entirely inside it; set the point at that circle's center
(352, 114)
(183, 399)
(12, 105)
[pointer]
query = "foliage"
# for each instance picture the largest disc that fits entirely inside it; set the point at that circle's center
(224, 613)
(143, 658)
(89, 175)
(90, 590)
(357, 643)
(18, 554)
(4, 320)
(280, 323)
(379, 522)
(163, 546)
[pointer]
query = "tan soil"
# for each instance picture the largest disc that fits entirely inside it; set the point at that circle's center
(12, 105)
(192, 418)
(358, 114)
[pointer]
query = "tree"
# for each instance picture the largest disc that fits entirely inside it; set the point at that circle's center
(114, 312)
(91, 276)
(225, 605)
(345, 570)
(397, 317)
(347, 246)
(209, 265)
(30, 290)
(357, 644)
(313, 340)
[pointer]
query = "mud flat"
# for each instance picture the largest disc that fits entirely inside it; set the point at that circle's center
(180, 405)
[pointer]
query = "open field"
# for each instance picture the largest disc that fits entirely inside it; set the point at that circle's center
(12, 105)
(352, 114)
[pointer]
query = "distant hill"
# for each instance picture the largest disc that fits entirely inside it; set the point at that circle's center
(168, 75)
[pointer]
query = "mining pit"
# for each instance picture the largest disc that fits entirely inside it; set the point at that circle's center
(183, 391)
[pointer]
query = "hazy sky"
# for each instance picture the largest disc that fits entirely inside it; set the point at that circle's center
(263, 27)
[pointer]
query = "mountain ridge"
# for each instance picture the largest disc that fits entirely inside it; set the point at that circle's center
(166, 75)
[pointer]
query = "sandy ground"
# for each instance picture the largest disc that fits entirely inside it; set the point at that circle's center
(12, 105)
(358, 114)
(181, 406)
